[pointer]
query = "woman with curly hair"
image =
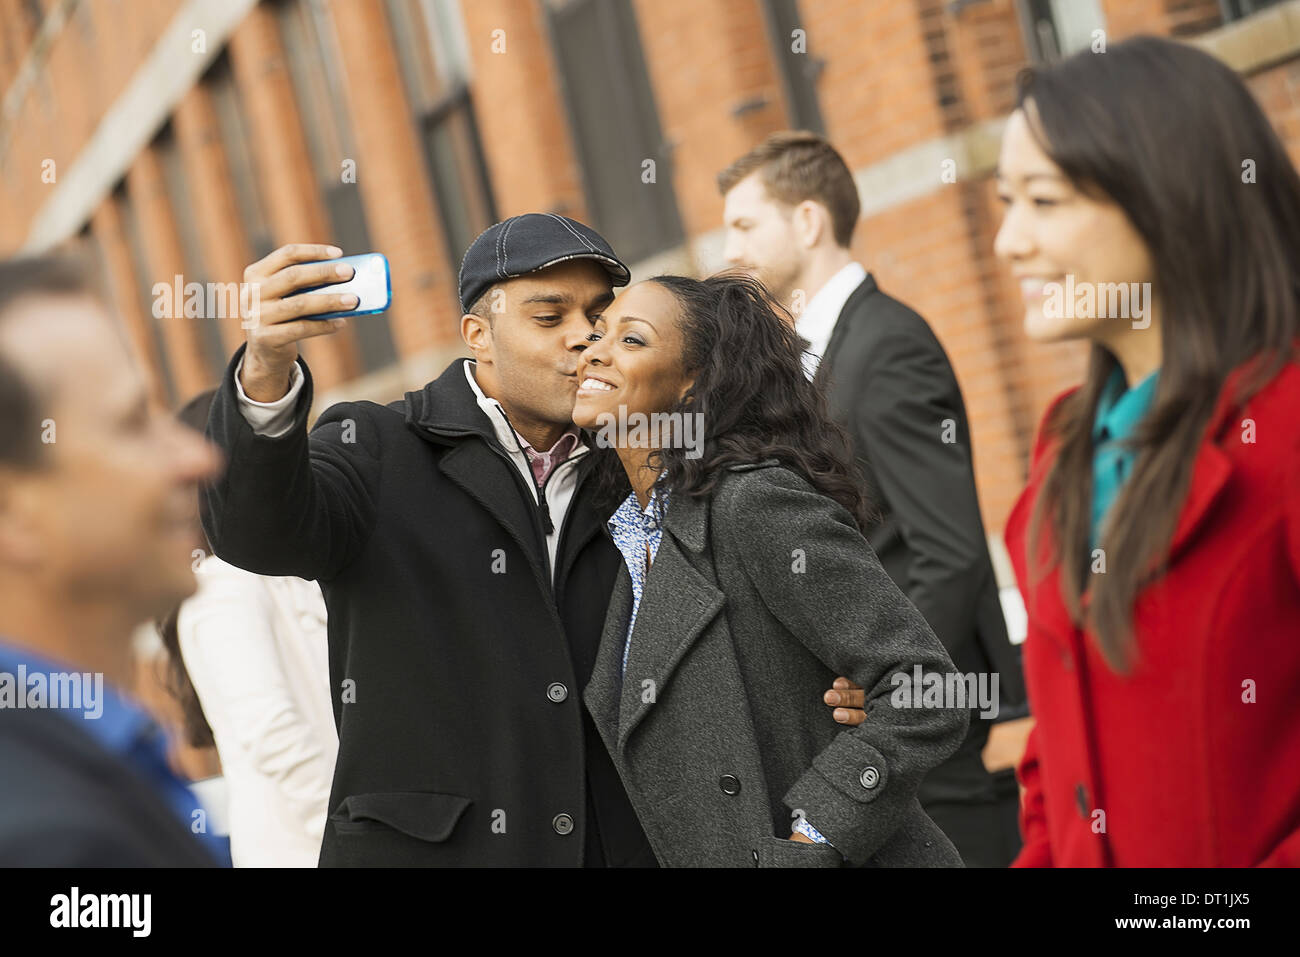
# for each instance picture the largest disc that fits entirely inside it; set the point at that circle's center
(746, 570)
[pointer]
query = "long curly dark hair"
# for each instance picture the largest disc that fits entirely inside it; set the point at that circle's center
(753, 397)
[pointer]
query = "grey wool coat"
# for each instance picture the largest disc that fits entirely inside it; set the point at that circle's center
(758, 597)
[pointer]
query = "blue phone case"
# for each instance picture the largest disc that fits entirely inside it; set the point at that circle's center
(364, 284)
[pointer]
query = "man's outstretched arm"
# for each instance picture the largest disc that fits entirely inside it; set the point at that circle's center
(288, 503)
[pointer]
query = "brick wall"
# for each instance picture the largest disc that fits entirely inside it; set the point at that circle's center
(398, 198)
(1278, 90)
(1167, 17)
(90, 62)
(706, 59)
(898, 76)
(279, 153)
(519, 110)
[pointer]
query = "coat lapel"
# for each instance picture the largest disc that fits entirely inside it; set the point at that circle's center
(677, 606)
(605, 685)
(482, 474)
(1040, 574)
(825, 368)
(583, 523)
(1210, 473)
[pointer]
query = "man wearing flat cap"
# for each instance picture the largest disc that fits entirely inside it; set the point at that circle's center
(462, 561)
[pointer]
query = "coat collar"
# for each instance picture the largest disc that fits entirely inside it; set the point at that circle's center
(679, 603)
(688, 515)
(1211, 472)
(447, 412)
(817, 321)
(448, 407)
(848, 315)
(688, 521)
(677, 606)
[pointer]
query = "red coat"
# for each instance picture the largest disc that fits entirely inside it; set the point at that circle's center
(1185, 771)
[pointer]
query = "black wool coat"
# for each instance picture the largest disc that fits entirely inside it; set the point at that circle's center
(455, 666)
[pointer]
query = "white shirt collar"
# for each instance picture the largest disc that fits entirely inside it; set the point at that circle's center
(819, 316)
(500, 424)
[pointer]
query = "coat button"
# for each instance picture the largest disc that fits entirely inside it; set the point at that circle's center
(563, 824)
(869, 778)
(1081, 799)
(729, 783)
(556, 692)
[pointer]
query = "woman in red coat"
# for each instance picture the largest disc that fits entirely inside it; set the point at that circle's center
(1151, 210)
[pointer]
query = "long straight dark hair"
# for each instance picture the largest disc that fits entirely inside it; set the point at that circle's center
(1172, 136)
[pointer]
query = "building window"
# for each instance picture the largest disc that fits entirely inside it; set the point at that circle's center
(799, 70)
(143, 287)
(614, 125)
(312, 55)
(1240, 9)
(234, 138)
(1055, 29)
(178, 199)
(430, 41)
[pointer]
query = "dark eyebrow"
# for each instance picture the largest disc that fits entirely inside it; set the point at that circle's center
(1033, 176)
(604, 299)
(551, 298)
(639, 319)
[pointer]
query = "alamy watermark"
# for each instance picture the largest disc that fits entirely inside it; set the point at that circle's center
(652, 430)
(74, 909)
(207, 300)
(62, 690)
(1098, 300)
(934, 689)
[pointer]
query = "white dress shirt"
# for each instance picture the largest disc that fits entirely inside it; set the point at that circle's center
(256, 651)
(275, 419)
(822, 312)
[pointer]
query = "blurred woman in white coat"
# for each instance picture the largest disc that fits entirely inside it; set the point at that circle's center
(256, 652)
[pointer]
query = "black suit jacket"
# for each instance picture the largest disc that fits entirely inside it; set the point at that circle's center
(890, 384)
(66, 802)
(456, 665)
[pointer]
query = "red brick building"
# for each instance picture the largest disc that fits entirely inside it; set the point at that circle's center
(189, 137)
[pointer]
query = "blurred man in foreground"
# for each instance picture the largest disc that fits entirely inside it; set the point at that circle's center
(96, 493)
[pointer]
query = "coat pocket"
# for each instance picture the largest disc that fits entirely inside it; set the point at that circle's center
(424, 815)
(780, 852)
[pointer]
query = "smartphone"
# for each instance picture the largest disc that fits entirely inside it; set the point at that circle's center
(371, 283)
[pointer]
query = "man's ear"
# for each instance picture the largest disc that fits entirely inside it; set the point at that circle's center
(810, 222)
(20, 535)
(477, 333)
